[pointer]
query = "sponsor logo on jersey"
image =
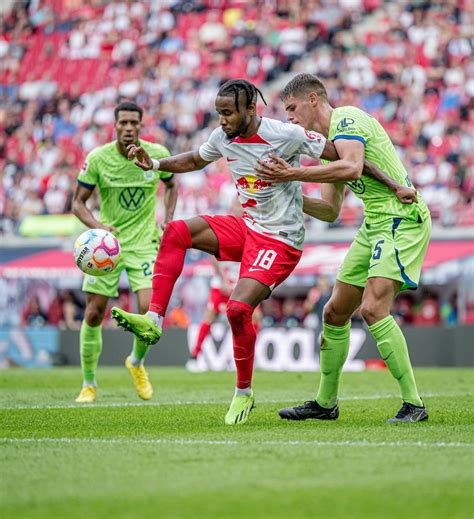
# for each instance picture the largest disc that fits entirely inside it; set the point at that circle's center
(252, 184)
(344, 124)
(131, 198)
(357, 186)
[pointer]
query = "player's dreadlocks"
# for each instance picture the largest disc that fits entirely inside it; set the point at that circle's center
(235, 86)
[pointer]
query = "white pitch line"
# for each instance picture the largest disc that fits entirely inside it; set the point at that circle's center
(202, 402)
(246, 443)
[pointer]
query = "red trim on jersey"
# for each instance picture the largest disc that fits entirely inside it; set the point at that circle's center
(254, 139)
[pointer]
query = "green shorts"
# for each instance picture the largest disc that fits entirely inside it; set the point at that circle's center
(393, 249)
(139, 267)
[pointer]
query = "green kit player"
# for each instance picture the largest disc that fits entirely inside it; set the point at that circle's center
(127, 208)
(386, 255)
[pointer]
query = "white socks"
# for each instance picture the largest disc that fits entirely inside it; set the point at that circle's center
(156, 318)
(243, 392)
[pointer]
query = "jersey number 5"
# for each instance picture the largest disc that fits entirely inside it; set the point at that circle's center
(265, 259)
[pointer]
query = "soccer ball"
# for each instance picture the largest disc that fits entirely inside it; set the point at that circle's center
(96, 252)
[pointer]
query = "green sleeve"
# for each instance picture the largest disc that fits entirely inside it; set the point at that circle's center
(89, 174)
(350, 126)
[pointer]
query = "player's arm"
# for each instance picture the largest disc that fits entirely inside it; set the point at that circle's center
(79, 209)
(328, 207)
(405, 194)
(189, 161)
(170, 198)
(348, 167)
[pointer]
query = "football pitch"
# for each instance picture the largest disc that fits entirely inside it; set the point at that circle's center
(174, 457)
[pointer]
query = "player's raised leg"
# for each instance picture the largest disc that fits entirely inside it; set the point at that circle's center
(376, 305)
(91, 345)
(335, 336)
(135, 361)
(179, 236)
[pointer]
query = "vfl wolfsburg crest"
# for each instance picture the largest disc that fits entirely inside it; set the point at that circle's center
(131, 198)
(149, 175)
(357, 186)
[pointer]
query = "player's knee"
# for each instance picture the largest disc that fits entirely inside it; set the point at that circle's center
(371, 311)
(238, 314)
(177, 233)
(332, 315)
(94, 315)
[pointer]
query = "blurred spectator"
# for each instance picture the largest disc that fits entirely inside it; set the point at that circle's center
(403, 309)
(428, 313)
(449, 311)
(292, 313)
(177, 317)
(315, 301)
(33, 314)
(65, 312)
(64, 65)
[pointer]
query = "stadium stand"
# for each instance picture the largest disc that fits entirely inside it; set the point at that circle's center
(64, 64)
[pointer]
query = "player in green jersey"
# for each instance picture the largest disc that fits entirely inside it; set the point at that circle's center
(386, 255)
(127, 208)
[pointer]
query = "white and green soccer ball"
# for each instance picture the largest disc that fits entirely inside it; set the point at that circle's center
(97, 252)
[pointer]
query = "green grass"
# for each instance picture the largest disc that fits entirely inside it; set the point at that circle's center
(174, 457)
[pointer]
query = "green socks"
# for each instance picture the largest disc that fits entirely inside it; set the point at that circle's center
(334, 350)
(393, 348)
(90, 347)
(139, 351)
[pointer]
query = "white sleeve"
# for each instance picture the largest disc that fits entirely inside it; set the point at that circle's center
(309, 142)
(209, 150)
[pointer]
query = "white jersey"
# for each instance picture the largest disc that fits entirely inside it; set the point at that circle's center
(272, 209)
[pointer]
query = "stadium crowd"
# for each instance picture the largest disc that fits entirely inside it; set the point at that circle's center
(65, 64)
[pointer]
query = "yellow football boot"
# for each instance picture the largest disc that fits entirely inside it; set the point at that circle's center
(140, 379)
(87, 395)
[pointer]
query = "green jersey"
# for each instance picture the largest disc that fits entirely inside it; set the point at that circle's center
(349, 122)
(127, 193)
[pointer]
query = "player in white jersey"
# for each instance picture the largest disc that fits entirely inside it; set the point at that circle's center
(267, 240)
(271, 209)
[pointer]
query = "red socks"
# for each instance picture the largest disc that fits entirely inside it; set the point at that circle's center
(244, 337)
(203, 331)
(169, 264)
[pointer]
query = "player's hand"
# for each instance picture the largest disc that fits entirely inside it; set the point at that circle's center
(406, 195)
(110, 228)
(142, 159)
(278, 170)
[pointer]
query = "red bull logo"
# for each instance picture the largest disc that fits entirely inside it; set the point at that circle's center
(252, 184)
(260, 184)
(243, 183)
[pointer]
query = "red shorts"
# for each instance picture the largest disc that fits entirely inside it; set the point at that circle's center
(262, 258)
(217, 301)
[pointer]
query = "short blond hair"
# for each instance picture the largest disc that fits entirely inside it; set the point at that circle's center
(304, 84)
